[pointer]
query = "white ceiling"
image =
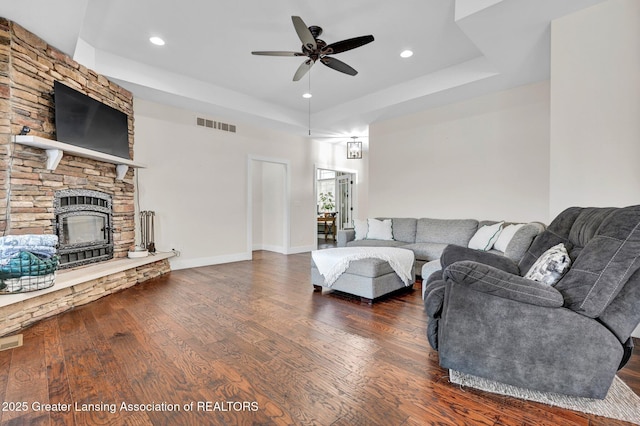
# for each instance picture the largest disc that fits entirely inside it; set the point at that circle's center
(463, 48)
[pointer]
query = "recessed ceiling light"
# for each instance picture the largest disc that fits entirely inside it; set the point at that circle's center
(157, 41)
(406, 54)
(307, 95)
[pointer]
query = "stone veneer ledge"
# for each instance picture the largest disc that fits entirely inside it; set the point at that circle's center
(77, 287)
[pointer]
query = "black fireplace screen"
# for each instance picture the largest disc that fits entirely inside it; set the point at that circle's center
(83, 224)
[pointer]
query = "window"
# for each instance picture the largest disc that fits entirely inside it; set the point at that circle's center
(326, 182)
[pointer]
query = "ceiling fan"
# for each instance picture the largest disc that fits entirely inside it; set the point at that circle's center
(316, 49)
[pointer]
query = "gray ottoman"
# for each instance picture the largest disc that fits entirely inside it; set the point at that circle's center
(366, 278)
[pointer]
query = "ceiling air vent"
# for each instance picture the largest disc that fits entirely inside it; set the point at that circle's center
(205, 122)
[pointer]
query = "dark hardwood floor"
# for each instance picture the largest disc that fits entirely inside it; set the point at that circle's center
(248, 343)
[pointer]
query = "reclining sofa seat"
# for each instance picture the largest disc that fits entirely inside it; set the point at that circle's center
(487, 320)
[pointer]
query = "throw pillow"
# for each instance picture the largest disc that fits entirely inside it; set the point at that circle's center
(379, 229)
(361, 228)
(550, 266)
(485, 237)
(505, 236)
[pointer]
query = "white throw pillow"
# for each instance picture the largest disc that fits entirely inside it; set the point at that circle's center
(361, 227)
(551, 266)
(485, 237)
(379, 229)
(505, 236)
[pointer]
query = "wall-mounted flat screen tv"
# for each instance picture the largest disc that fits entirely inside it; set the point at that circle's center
(85, 122)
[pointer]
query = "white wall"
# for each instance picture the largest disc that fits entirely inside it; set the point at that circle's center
(484, 158)
(197, 183)
(595, 107)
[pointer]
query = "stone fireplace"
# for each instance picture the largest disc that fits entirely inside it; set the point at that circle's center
(88, 202)
(83, 221)
(28, 69)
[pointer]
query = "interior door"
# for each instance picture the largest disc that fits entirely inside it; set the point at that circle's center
(344, 200)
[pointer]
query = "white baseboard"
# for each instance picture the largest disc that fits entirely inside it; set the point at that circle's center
(182, 263)
(268, 247)
(283, 250)
(300, 249)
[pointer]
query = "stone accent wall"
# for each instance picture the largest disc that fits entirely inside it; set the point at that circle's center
(20, 315)
(28, 68)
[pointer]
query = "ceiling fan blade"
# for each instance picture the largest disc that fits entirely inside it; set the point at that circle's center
(277, 53)
(338, 65)
(303, 32)
(344, 45)
(303, 69)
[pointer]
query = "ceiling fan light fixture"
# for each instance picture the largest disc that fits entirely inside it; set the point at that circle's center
(156, 40)
(406, 53)
(318, 50)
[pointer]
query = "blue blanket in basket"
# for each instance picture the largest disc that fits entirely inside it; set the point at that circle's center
(28, 264)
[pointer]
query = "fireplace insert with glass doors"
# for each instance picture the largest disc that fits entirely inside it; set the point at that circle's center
(83, 222)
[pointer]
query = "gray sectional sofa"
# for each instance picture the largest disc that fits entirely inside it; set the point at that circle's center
(487, 319)
(428, 237)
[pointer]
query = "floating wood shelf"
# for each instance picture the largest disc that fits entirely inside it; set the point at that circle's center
(55, 150)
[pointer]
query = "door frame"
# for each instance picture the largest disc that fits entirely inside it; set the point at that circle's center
(287, 201)
(354, 202)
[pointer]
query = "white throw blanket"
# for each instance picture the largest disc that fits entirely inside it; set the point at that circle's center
(332, 263)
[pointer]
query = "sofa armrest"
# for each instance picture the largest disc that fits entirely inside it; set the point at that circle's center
(490, 280)
(345, 235)
(453, 254)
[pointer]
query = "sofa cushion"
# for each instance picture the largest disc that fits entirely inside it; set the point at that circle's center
(361, 227)
(506, 235)
(557, 232)
(404, 229)
(551, 266)
(446, 231)
(486, 236)
(453, 254)
(623, 314)
(379, 230)
(521, 240)
(426, 251)
(609, 258)
(487, 279)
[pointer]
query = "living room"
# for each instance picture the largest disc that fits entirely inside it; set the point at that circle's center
(522, 130)
(522, 151)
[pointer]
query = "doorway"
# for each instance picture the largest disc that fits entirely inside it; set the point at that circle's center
(268, 201)
(334, 198)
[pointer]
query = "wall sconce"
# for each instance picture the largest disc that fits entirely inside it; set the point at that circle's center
(354, 149)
